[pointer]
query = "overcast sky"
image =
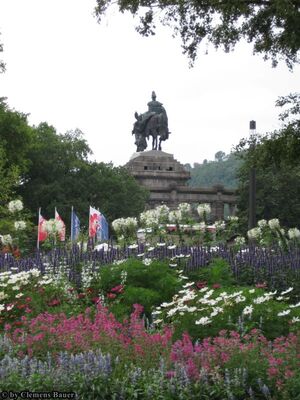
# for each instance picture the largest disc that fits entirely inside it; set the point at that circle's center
(66, 69)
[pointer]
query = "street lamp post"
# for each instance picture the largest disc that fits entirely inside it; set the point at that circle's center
(252, 187)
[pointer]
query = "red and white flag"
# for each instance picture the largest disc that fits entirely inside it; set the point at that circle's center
(94, 222)
(42, 234)
(62, 230)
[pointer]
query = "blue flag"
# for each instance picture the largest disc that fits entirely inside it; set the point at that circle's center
(102, 232)
(75, 226)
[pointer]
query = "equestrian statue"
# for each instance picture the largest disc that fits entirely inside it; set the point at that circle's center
(153, 122)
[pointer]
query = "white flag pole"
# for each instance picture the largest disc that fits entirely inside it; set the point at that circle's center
(38, 242)
(72, 211)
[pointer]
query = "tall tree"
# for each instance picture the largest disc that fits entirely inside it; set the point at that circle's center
(16, 136)
(275, 157)
(2, 64)
(219, 156)
(273, 26)
(60, 175)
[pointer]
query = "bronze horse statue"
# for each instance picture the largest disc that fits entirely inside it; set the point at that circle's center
(157, 126)
(153, 122)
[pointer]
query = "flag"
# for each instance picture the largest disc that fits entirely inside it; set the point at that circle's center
(42, 234)
(75, 226)
(103, 231)
(62, 232)
(94, 222)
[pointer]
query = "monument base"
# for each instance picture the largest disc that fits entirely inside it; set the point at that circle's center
(167, 181)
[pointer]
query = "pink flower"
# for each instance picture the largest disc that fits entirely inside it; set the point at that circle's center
(95, 299)
(216, 286)
(117, 289)
(261, 285)
(170, 374)
(272, 372)
(288, 373)
(54, 302)
(201, 284)
(7, 327)
(111, 295)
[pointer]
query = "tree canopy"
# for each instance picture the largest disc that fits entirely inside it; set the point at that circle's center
(222, 171)
(65, 178)
(51, 170)
(275, 158)
(2, 65)
(272, 26)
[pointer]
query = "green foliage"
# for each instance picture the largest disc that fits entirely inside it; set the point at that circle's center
(223, 172)
(275, 158)
(218, 271)
(148, 285)
(66, 178)
(9, 178)
(2, 65)
(272, 26)
(16, 137)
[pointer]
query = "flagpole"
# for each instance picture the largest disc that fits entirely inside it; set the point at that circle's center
(38, 242)
(55, 211)
(72, 210)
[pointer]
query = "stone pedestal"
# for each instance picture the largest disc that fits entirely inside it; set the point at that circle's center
(167, 181)
(159, 172)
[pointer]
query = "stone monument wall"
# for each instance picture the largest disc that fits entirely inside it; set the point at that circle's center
(167, 181)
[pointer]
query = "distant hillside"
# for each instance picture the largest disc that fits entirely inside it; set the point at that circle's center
(221, 171)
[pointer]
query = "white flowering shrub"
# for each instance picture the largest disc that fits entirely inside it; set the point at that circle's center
(150, 218)
(185, 210)
(125, 229)
(294, 234)
(20, 225)
(162, 213)
(53, 227)
(204, 211)
(15, 205)
(205, 310)
(270, 233)
(175, 217)
(15, 228)
(6, 240)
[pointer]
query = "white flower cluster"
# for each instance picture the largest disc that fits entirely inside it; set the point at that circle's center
(208, 304)
(248, 310)
(233, 218)
(185, 208)
(162, 212)
(294, 233)
(254, 233)
(240, 241)
(203, 209)
(17, 279)
(15, 205)
(175, 216)
(20, 225)
(150, 218)
(220, 225)
(274, 224)
(122, 224)
(262, 223)
(87, 275)
(53, 226)
(5, 239)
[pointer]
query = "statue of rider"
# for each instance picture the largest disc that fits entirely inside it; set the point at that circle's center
(154, 107)
(140, 126)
